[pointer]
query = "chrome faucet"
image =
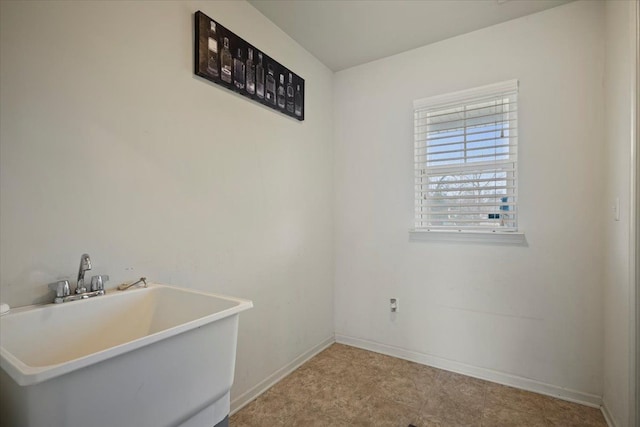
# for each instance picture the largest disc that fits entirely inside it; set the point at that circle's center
(61, 288)
(85, 265)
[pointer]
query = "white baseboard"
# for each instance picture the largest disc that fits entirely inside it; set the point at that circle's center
(264, 385)
(607, 415)
(528, 384)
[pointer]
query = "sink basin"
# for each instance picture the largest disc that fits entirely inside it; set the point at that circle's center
(156, 356)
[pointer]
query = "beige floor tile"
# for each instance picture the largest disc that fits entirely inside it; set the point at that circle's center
(363, 374)
(447, 377)
(377, 361)
(345, 352)
(313, 418)
(500, 416)
(345, 386)
(432, 422)
(269, 409)
(413, 367)
(400, 389)
(337, 399)
(347, 365)
(327, 366)
(441, 408)
(567, 414)
(380, 412)
(516, 399)
(464, 391)
(239, 419)
(424, 377)
(302, 386)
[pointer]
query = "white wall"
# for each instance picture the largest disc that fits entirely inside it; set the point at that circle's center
(532, 312)
(617, 285)
(110, 145)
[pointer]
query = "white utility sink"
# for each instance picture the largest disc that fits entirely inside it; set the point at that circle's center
(156, 356)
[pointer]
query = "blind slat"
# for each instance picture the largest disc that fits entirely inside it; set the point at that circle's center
(479, 168)
(420, 111)
(469, 228)
(446, 194)
(498, 116)
(489, 147)
(503, 156)
(472, 221)
(459, 181)
(464, 205)
(495, 119)
(436, 138)
(472, 141)
(483, 168)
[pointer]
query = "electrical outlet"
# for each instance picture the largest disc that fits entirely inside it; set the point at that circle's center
(393, 305)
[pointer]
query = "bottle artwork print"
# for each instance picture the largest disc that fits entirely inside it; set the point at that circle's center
(227, 60)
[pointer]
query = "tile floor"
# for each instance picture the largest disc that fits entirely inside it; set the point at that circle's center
(346, 386)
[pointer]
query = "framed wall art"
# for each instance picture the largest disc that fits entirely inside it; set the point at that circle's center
(230, 61)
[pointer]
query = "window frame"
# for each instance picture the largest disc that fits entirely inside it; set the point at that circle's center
(478, 233)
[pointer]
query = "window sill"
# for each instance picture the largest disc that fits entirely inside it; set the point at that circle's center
(493, 237)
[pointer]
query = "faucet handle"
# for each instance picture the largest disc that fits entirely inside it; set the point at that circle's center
(61, 288)
(97, 282)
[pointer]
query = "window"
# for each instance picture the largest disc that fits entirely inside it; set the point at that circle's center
(466, 160)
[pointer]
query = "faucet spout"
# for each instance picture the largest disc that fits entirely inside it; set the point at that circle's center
(85, 265)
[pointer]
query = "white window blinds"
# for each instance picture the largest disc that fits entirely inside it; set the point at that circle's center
(466, 160)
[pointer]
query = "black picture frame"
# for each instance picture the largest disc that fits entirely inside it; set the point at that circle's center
(230, 61)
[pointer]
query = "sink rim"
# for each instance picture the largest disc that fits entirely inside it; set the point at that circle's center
(25, 375)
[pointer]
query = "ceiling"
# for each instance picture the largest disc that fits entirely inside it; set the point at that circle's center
(345, 33)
